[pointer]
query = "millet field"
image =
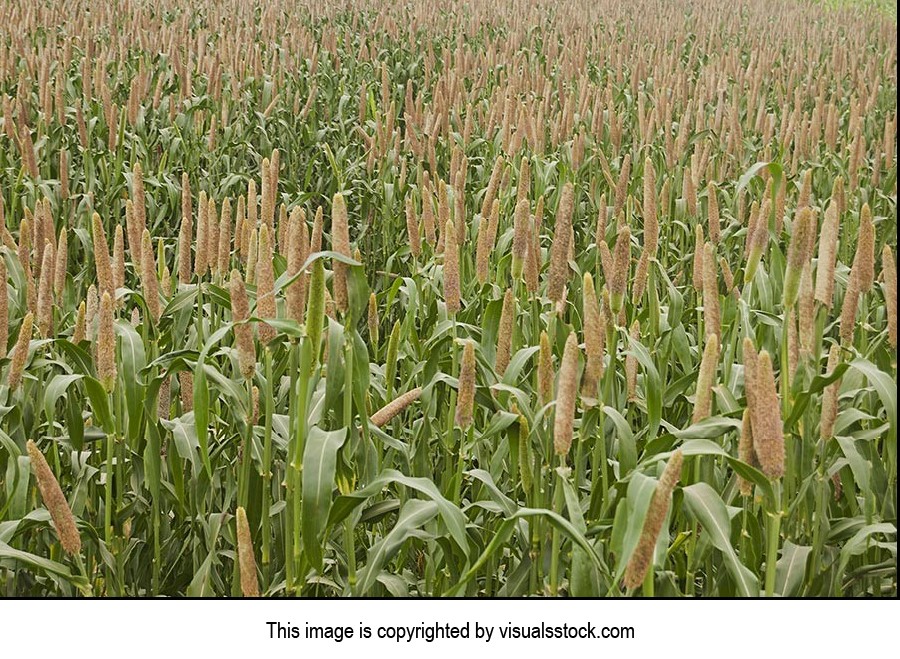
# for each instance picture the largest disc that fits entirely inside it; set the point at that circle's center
(502, 298)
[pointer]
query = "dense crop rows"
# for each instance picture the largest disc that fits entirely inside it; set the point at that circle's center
(507, 298)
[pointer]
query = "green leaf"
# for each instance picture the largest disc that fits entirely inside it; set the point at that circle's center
(414, 514)
(653, 385)
(629, 519)
(319, 464)
(885, 386)
(860, 542)
(134, 360)
(790, 568)
(709, 510)
(56, 388)
(45, 565)
(452, 516)
(99, 404)
(502, 535)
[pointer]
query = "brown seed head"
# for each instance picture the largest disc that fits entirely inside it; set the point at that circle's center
(55, 501)
(640, 277)
(564, 417)
(451, 269)
(202, 247)
(711, 316)
(768, 435)
(265, 284)
(246, 558)
(487, 235)
(185, 238)
(828, 248)
(465, 403)
(746, 453)
(298, 245)
(706, 379)
(864, 260)
(533, 259)
(186, 387)
(252, 256)
(340, 241)
(212, 236)
(383, 416)
(797, 255)
(101, 256)
(315, 239)
(714, 224)
(79, 332)
(521, 236)
(849, 308)
(20, 352)
(505, 333)
(106, 344)
(372, 319)
(224, 250)
(149, 281)
(45, 293)
(699, 243)
(621, 266)
(805, 190)
(62, 259)
(4, 308)
(889, 274)
(560, 248)
(651, 219)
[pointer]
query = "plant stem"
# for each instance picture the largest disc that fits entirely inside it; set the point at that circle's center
(773, 529)
(557, 540)
(267, 457)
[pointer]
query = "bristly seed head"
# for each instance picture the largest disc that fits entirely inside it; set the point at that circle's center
(465, 403)
(246, 558)
(383, 416)
(564, 417)
(55, 501)
(559, 250)
(106, 344)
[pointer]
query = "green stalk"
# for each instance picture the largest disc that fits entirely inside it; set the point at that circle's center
(535, 577)
(290, 473)
(773, 529)
(580, 440)
(267, 457)
(107, 512)
(349, 545)
(451, 414)
(108, 488)
(821, 505)
(306, 360)
(557, 540)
